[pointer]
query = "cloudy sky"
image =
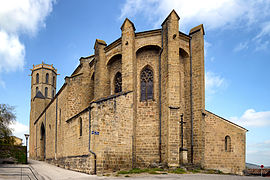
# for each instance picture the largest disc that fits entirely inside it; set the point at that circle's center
(58, 32)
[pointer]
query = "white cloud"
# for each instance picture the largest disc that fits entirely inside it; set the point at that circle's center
(19, 129)
(241, 46)
(19, 17)
(261, 41)
(11, 52)
(265, 30)
(2, 83)
(24, 15)
(252, 118)
(260, 46)
(207, 45)
(213, 82)
(258, 153)
(213, 14)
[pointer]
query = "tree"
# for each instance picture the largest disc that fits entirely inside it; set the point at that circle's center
(7, 117)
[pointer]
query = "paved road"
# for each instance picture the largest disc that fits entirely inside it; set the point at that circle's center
(44, 171)
(14, 172)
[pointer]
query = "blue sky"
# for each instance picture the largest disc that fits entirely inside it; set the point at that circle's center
(237, 51)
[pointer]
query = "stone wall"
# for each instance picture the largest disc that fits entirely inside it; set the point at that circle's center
(111, 124)
(147, 126)
(110, 136)
(216, 157)
(76, 163)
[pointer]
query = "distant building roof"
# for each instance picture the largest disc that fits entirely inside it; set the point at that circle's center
(257, 172)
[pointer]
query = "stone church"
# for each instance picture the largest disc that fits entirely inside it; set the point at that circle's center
(136, 102)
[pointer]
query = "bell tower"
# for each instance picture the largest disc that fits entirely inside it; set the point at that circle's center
(43, 80)
(43, 90)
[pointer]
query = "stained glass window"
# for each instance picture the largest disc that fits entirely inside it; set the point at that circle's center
(147, 84)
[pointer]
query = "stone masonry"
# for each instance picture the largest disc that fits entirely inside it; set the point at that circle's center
(99, 122)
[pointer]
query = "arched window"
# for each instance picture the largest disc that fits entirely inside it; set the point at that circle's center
(47, 78)
(46, 92)
(118, 82)
(80, 124)
(227, 144)
(36, 90)
(52, 93)
(53, 81)
(37, 78)
(147, 84)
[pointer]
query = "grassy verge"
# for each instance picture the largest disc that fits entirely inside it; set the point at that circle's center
(177, 171)
(162, 171)
(139, 171)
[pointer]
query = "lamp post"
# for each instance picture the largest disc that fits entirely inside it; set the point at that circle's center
(26, 138)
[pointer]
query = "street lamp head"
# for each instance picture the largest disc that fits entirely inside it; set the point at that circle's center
(26, 136)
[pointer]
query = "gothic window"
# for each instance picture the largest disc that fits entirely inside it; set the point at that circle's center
(80, 124)
(147, 84)
(37, 78)
(46, 92)
(47, 78)
(227, 144)
(36, 90)
(118, 82)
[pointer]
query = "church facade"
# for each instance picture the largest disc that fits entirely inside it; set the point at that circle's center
(136, 102)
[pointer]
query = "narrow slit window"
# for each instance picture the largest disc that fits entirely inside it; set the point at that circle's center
(47, 78)
(46, 92)
(37, 78)
(227, 144)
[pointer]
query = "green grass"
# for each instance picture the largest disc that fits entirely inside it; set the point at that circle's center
(212, 171)
(133, 171)
(195, 171)
(162, 171)
(178, 171)
(138, 171)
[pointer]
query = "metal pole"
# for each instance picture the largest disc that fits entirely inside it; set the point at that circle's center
(26, 141)
(191, 102)
(182, 136)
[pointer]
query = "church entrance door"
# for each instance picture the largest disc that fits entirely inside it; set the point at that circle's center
(42, 142)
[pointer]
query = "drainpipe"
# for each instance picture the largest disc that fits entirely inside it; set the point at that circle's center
(191, 101)
(55, 145)
(159, 96)
(36, 141)
(95, 156)
(45, 138)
